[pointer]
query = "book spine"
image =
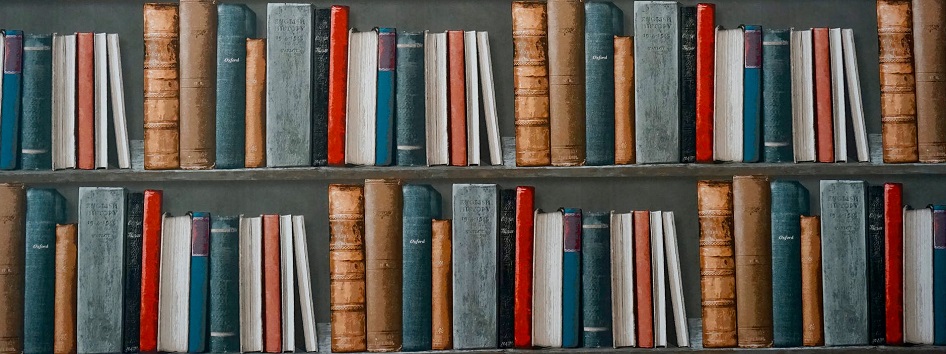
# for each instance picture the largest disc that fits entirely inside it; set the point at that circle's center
(507, 267)
(898, 113)
(525, 204)
(571, 278)
(688, 58)
(346, 208)
(930, 62)
(100, 269)
(753, 254)
(409, 101)
(566, 47)
(289, 94)
(893, 263)
(64, 310)
(232, 32)
(12, 260)
(199, 282)
(917, 276)
(272, 301)
(198, 21)
(824, 123)
(939, 275)
(224, 285)
(642, 280)
(150, 270)
(456, 92)
(596, 279)
(441, 305)
(776, 96)
(475, 224)
(599, 84)
(705, 79)
(131, 314)
(843, 228)
(875, 265)
(811, 286)
(161, 87)
(786, 261)
(320, 73)
(752, 95)
(717, 264)
(531, 86)
(657, 81)
(35, 133)
(383, 262)
(624, 149)
(44, 209)
(387, 55)
(337, 84)
(417, 279)
(85, 103)
(255, 150)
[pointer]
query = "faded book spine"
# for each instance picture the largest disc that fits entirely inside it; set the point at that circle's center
(929, 49)
(776, 96)
(383, 262)
(272, 290)
(456, 98)
(843, 227)
(224, 310)
(131, 314)
(717, 264)
(643, 280)
(35, 133)
(289, 104)
(416, 244)
(409, 100)
(824, 121)
(596, 279)
(198, 83)
(811, 287)
(346, 208)
(64, 311)
(475, 224)
(624, 147)
(12, 260)
(531, 82)
(441, 305)
(100, 269)
(255, 149)
(566, 82)
(320, 69)
(85, 104)
(657, 81)
(161, 87)
(898, 101)
(235, 22)
(688, 55)
(599, 83)
(790, 200)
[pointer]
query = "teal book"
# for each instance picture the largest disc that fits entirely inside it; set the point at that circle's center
(790, 201)
(571, 278)
(409, 114)
(10, 108)
(422, 203)
(599, 80)
(596, 280)
(36, 130)
(939, 274)
(752, 95)
(100, 270)
(235, 23)
(384, 138)
(199, 282)
(776, 96)
(44, 209)
(224, 284)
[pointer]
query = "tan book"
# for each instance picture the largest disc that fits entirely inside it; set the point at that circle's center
(929, 49)
(717, 265)
(255, 103)
(64, 310)
(198, 83)
(567, 81)
(531, 82)
(161, 87)
(383, 236)
(346, 220)
(624, 146)
(752, 236)
(812, 315)
(12, 244)
(897, 86)
(442, 285)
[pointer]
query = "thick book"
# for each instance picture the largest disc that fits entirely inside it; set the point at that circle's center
(35, 128)
(930, 65)
(422, 204)
(255, 119)
(657, 81)
(435, 104)
(306, 306)
(337, 84)
(235, 23)
(917, 275)
(705, 79)
(361, 116)
(752, 237)
(161, 87)
(456, 98)
(12, 256)
(939, 275)
(547, 280)
(383, 262)
(875, 265)
(287, 286)
(776, 97)
(85, 103)
(893, 263)
(790, 201)
(272, 285)
(623, 305)
(530, 65)
(475, 224)
(824, 120)
(320, 73)
(507, 267)
(100, 267)
(812, 313)
(624, 146)
(346, 219)
(571, 278)
(198, 72)
(643, 280)
(251, 284)
(596, 280)
(728, 121)
(898, 116)
(199, 282)
(409, 100)
(525, 223)
(174, 288)
(64, 310)
(599, 81)
(224, 284)
(150, 270)
(803, 100)
(441, 302)
(44, 208)
(752, 95)
(688, 83)
(844, 262)
(131, 312)
(12, 90)
(658, 278)
(289, 103)
(566, 49)
(717, 266)
(384, 136)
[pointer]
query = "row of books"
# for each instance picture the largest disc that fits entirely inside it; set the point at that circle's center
(866, 272)
(58, 91)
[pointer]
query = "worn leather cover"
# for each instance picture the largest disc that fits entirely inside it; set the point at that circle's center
(688, 58)
(383, 233)
(752, 94)
(422, 203)
(824, 123)
(199, 282)
(150, 270)
(875, 265)
(337, 84)
(566, 60)
(624, 100)
(811, 287)
(717, 263)
(571, 278)
(346, 217)
(409, 113)
(776, 97)
(161, 87)
(224, 304)
(752, 226)
(272, 291)
(507, 266)
(387, 56)
(456, 95)
(475, 297)
(12, 236)
(525, 205)
(12, 90)
(255, 150)
(131, 314)
(100, 267)
(642, 280)
(64, 311)
(898, 100)
(844, 266)
(320, 69)
(705, 79)
(198, 83)
(441, 304)
(790, 200)
(531, 82)
(599, 82)
(235, 22)
(44, 209)
(36, 127)
(893, 262)
(85, 105)
(929, 49)
(596, 279)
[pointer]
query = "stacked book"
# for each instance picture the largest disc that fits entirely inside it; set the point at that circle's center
(314, 93)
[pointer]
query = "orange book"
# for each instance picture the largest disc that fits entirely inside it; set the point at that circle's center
(272, 303)
(456, 94)
(85, 102)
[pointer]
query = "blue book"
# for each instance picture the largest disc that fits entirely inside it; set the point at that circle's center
(939, 274)
(571, 278)
(224, 285)
(409, 116)
(44, 209)
(36, 128)
(600, 30)
(200, 282)
(235, 22)
(752, 95)
(790, 200)
(384, 139)
(10, 108)
(422, 204)
(777, 96)
(596, 280)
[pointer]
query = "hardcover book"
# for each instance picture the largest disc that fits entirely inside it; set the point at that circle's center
(531, 85)
(100, 267)
(507, 267)
(235, 23)
(346, 209)
(939, 275)
(150, 270)
(917, 275)
(596, 280)
(705, 79)
(307, 314)
(571, 278)
(361, 116)
(44, 208)
(790, 201)
(844, 262)
(803, 100)
(623, 304)
(688, 58)
(441, 304)
(657, 81)
(752, 95)
(547, 280)
(384, 136)
(717, 264)
(337, 83)
(251, 284)
(898, 114)
(929, 59)
(10, 108)
(525, 223)
(198, 69)
(643, 280)
(776, 98)
(383, 262)
(728, 122)
(824, 120)
(422, 204)
(320, 73)
(224, 300)
(272, 284)
(85, 104)
(131, 313)
(875, 266)
(289, 103)
(624, 147)
(174, 291)
(409, 100)
(287, 286)
(475, 224)
(64, 310)
(456, 98)
(566, 48)
(13, 212)
(199, 282)
(255, 149)
(893, 262)
(161, 87)
(436, 104)
(599, 81)
(35, 130)
(812, 302)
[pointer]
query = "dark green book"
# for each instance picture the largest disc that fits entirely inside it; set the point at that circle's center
(44, 209)
(235, 22)
(224, 284)
(422, 203)
(409, 100)
(596, 279)
(600, 29)
(36, 128)
(776, 96)
(789, 201)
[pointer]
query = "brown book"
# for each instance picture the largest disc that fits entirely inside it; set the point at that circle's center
(567, 81)
(198, 83)
(531, 82)
(13, 241)
(441, 304)
(897, 85)
(812, 317)
(929, 49)
(717, 266)
(752, 235)
(85, 102)
(64, 308)
(346, 221)
(383, 236)
(642, 280)
(161, 87)
(624, 147)
(824, 123)
(272, 290)
(255, 103)
(456, 74)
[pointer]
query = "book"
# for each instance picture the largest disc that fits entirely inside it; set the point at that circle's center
(361, 117)
(272, 285)
(675, 281)
(789, 201)
(198, 69)
(64, 102)
(409, 100)
(422, 204)
(656, 81)
(658, 278)
(44, 209)
(525, 231)
(383, 261)
(855, 101)
(337, 83)
(472, 99)
(346, 209)
(161, 88)
(838, 101)
(927, 15)
(875, 265)
(475, 224)
(571, 278)
(688, 83)
(507, 267)
(436, 104)
(624, 146)
(812, 302)
(531, 86)
(289, 104)
(441, 304)
(100, 266)
(12, 258)
(939, 274)
(547, 279)
(301, 251)
(384, 137)
(729, 121)
(752, 94)
(622, 280)
(235, 23)
(64, 308)
(286, 284)
(85, 100)
(12, 95)
(490, 112)
(717, 264)
(844, 262)
(893, 262)
(131, 297)
(456, 98)
(255, 119)
(917, 275)
(224, 284)
(824, 121)
(643, 280)
(599, 81)
(35, 130)
(776, 97)
(100, 98)
(596, 289)
(174, 288)
(116, 86)
(803, 100)
(566, 48)
(150, 270)
(898, 118)
(199, 282)
(705, 79)
(752, 232)
(251, 284)
(320, 73)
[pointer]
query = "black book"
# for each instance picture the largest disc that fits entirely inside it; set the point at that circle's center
(132, 291)
(507, 266)
(320, 87)
(875, 265)
(688, 84)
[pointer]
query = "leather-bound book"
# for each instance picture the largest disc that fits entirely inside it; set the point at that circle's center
(717, 263)
(85, 111)
(255, 154)
(337, 85)
(875, 265)
(44, 209)
(705, 79)
(596, 280)
(752, 228)
(383, 227)
(642, 280)
(198, 83)
(150, 271)
(898, 101)
(522, 326)
(507, 266)
(624, 100)
(422, 203)
(531, 82)
(571, 278)
(441, 304)
(346, 218)
(161, 87)
(600, 29)
(12, 223)
(893, 262)
(844, 262)
(812, 315)
(824, 122)
(456, 92)
(272, 291)
(929, 50)
(64, 311)
(790, 200)
(688, 83)
(131, 314)
(320, 65)
(566, 82)
(776, 97)
(235, 23)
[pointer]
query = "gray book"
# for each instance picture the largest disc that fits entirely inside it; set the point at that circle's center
(475, 227)
(100, 265)
(657, 81)
(289, 94)
(844, 262)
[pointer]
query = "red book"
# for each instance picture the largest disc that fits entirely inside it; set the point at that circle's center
(337, 84)
(824, 123)
(705, 73)
(85, 102)
(272, 303)
(893, 261)
(456, 93)
(522, 313)
(642, 280)
(150, 271)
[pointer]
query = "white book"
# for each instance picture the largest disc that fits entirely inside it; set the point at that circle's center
(100, 60)
(624, 331)
(803, 101)
(174, 284)
(435, 90)
(838, 102)
(854, 95)
(676, 280)
(547, 279)
(58, 70)
(68, 127)
(361, 117)
(305, 284)
(117, 86)
(917, 275)
(251, 284)
(489, 99)
(659, 278)
(472, 73)
(729, 81)
(286, 271)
